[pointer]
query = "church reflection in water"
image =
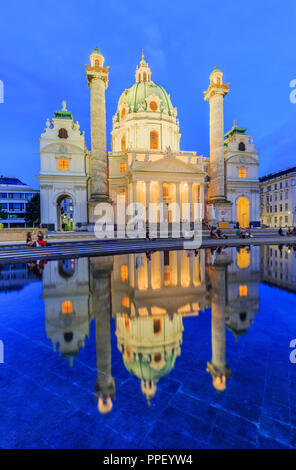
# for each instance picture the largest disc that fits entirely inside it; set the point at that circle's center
(147, 295)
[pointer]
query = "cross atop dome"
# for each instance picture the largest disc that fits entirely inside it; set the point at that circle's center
(143, 72)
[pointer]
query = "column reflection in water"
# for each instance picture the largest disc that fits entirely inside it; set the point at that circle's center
(217, 272)
(234, 276)
(100, 277)
(150, 295)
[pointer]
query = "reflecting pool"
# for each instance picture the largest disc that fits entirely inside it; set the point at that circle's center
(150, 350)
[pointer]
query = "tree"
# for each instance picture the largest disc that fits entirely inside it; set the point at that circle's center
(3, 214)
(32, 215)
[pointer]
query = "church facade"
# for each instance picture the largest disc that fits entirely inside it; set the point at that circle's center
(146, 164)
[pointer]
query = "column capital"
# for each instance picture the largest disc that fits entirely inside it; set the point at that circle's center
(97, 73)
(215, 89)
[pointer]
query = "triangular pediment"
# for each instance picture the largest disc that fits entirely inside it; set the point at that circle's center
(166, 165)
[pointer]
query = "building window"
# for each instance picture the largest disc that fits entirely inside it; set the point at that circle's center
(166, 258)
(165, 190)
(286, 206)
(123, 113)
(242, 172)
(63, 164)
(275, 208)
(125, 301)
(153, 106)
(124, 272)
(123, 143)
(67, 307)
(243, 291)
(122, 196)
(281, 208)
(63, 134)
(243, 258)
(281, 185)
(275, 220)
(157, 326)
(126, 322)
(241, 146)
(286, 218)
(287, 195)
(122, 167)
(154, 140)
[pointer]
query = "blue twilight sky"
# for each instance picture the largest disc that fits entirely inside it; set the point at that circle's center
(44, 48)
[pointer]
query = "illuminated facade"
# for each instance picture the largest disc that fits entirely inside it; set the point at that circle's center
(64, 168)
(242, 181)
(66, 296)
(146, 164)
(150, 297)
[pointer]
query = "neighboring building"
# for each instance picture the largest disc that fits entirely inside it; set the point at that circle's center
(278, 198)
(16, 276)
(14, 197)
(278, 266)
(242, 181)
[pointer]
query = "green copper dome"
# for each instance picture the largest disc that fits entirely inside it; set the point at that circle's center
(138, 93)
(142, 369)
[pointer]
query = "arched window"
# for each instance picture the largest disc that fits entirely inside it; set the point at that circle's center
(157, 326)
(123, 143)
(144, 77)
(122, 196)
(242, 172)
(153, 106)
(126, 322)
(154, 140)
(243, 258)
(157, 357)
(124, 272)
(122, 113)
(243, 316)
(63, 134)
(97, 63)
(241, 146)
(125, 301)
(243, 291)
(67, 307)
(68, 336)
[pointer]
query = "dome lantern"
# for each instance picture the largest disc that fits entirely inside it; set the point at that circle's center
(143, 72)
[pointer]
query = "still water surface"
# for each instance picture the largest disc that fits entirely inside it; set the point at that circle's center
(165, 350)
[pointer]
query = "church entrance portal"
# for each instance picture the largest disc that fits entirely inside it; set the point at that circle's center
(243, 212)
(65, 213)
